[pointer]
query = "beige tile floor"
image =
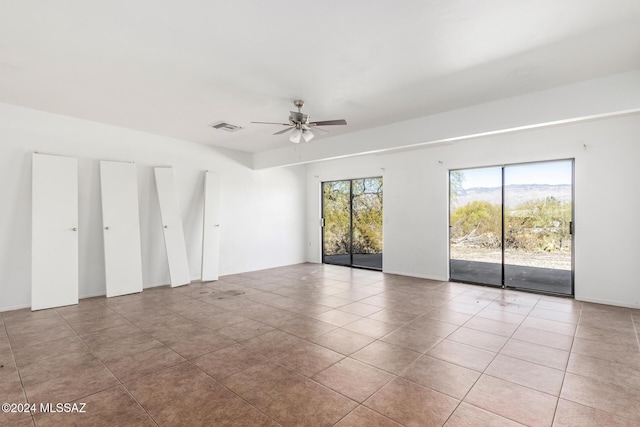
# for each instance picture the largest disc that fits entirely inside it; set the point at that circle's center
(323, 345)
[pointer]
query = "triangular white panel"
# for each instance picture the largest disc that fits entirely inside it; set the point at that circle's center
(211, 227)
(172, 227)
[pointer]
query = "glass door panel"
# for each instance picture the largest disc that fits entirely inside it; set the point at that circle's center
(352, 218)
(475, 225)
(336, 211)
(367, 222)
(538, 221)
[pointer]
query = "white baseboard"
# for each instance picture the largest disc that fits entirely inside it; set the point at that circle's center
(102, 294)
(14, 307)
(155, 285)
(608, 302)
(80, 297)
(91, 295)
(418, 276)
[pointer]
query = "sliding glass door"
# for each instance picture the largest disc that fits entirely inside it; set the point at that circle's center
(476, 225)
(512, 226)
(538, 226)
(352, 222)
(336, 218)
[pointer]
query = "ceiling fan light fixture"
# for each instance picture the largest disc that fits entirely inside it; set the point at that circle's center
(307, 135)
(300, 126)
(296, 134)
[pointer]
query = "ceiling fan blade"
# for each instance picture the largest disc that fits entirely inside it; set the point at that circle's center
(284, 130)
(314, 128)
(272, 123)
(329, 122)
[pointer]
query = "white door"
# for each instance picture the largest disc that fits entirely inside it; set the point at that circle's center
(54, 235)
(211, 227)
(172, 227)
(121, 228)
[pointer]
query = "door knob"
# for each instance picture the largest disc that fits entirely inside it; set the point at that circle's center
(106, 228)
(74, 229)
(166, 226)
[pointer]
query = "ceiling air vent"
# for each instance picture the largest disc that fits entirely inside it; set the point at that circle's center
(226, 126)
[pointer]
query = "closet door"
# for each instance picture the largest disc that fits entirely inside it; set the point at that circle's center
(54, 257)
(211, 227)
(172, 227)
(121, 228)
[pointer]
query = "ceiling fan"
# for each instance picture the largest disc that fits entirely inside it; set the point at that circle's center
(301, 126)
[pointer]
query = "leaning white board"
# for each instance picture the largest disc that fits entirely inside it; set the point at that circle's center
(121, 228)
(54, 235)
(211, 227)
(172, 227)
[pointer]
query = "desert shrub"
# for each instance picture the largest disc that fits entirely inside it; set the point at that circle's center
(535, 225)
(366, 202)
(477, 223)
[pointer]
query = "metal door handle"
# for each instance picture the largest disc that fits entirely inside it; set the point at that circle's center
(217, 225)
(106, 228)
(166, 226)
(74, 229)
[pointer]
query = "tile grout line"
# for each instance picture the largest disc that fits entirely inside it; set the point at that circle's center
(635, 327)
(108, 369)
(480, 376)
(498, 353)
(215, 380)
(580, 375)
(233, 392)
(564, 375)
(13, 356)
(335, 363)
(298, 298)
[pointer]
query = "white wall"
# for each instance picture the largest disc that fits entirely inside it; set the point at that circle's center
(262, 212)
(607, 201)
(597, 98)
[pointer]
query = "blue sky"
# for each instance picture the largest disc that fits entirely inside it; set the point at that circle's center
(558, 172)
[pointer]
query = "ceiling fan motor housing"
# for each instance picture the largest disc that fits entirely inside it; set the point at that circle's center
(298, 118)
(299, 121)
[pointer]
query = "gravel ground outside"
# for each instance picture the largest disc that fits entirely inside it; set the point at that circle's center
(557, 260)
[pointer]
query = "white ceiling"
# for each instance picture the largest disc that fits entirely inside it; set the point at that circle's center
(173, 68)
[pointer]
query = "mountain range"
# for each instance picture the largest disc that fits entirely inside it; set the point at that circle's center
(514, 194)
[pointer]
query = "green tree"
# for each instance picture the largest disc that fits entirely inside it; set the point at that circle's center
(367, 216)
(534, 225)
(357, 203)
(456, 178)
(337, 199)
(479, 221)
(537, 225)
